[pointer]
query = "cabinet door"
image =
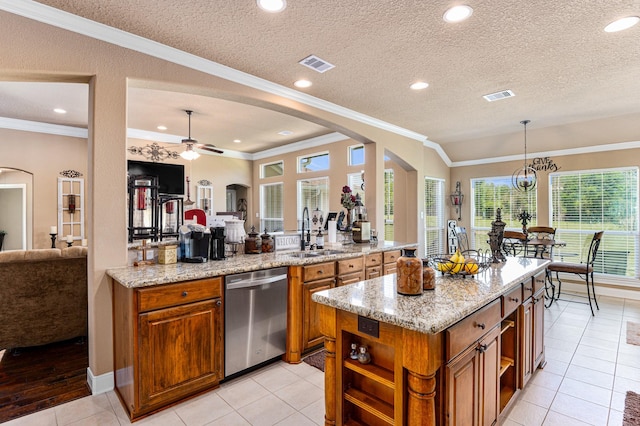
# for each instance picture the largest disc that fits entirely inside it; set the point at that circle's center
(538, 330)
(180, 351)
(350, 278)
(463, 389)
(373, 272)
(489, 394)
(311, 335)
(389, 268)
(526, 343)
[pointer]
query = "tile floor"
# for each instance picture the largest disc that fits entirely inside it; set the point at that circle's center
(589, 368)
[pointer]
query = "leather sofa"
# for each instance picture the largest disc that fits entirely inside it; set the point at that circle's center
(43, 294)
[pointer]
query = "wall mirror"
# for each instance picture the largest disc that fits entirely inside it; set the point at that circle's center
(16, 208)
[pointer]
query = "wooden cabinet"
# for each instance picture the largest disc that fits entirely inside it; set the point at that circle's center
(311, 335)
(373, 265)
(389, 259)
(473, 368)
(350, 271)
(168, 343)
(531, 318)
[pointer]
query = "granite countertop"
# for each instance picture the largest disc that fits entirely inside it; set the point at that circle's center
(148, 275)
(454, 297)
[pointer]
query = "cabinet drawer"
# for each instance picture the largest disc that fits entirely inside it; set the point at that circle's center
(527, 289)
(391, 256)
(511, 300)
(346, 279)
(349, 266)
(389, 268)
(472, 328)
(538, 282)
(178, 294)
(373, 259)
(318, 271)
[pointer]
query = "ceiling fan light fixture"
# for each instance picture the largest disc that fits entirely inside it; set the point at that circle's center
(189, 153)
(272, 6)
(525, 179)
(622, 24)
(457, 13)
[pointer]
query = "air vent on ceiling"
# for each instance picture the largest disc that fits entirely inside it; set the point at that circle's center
(499, 95)
(316, 63)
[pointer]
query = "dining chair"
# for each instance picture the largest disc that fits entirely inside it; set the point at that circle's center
(540, 233)
(513, 243)
(583, 270)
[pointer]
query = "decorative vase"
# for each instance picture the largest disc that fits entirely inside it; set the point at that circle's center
(409, 275)
(347, 226)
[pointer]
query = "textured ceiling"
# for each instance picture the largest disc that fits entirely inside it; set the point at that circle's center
(555, 56)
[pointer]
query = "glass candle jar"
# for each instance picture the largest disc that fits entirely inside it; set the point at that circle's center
(428, 276)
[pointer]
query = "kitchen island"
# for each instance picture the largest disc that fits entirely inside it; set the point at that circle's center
(456, 355)
(169, 320)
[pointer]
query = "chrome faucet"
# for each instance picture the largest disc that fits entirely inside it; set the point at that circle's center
(303, 243)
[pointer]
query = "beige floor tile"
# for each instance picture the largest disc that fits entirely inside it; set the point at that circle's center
(241, 391)
(557, 419)
(558, 354)
(594, 364)
(622, 384)
(588, 392)
(296, 419)
(315, 412)
(563, 345)
(163, 418)
(266, 411)
(104, 418)
(628, 372)
(300, 394)
(602, 335)
(556, 367)
(527, 413)
(275, 378)
(231, 419)
(631, 360)
(592, 377)
(82, 408)
(596, 348)
(303, 369)
(317, 379)
(546, 380)
(41, 418)
(617, 401)
(616, 418)
(580, 409)
(203, 409)
(538, 395)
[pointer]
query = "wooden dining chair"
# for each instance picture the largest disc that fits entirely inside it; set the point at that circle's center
(513, 243)
(583, 270)
(540, 233)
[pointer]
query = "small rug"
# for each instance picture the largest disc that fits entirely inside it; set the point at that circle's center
(633, 333)
(316, 359)
(631, 409)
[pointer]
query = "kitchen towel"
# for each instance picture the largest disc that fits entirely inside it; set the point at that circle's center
(333, 230)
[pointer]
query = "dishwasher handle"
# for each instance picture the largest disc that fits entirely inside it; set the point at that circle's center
(255, 283)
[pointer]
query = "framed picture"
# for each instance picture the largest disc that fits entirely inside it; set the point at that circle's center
(330, 216)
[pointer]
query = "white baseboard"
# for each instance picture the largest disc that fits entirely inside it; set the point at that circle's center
(100, 384)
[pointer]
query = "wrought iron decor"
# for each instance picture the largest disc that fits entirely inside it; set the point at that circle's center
(205, 182)
(70, 174)
(153, 152)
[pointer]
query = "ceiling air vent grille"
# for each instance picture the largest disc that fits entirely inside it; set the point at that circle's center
(503, 94)
(316, 64)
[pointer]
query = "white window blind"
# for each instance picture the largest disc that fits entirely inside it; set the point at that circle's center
(434, 226)
(354, 180)
(388, 205)
(585, 202)
(312, 194)
(489, 194)
(271, 207)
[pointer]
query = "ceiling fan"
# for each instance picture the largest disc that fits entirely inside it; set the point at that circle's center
(190, 153)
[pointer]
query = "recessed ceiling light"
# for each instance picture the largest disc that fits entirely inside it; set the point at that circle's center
(302, 84)
(237, 141)
(60, 111)
(162, 127)
(622, 24)
(272, 6)
(457, 13)
(419, 85)
(285, 133)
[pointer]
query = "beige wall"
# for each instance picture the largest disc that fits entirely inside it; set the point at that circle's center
(35, 51)
(45, 156)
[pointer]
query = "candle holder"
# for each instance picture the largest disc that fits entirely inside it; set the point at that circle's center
(69, 244)
(53, 240)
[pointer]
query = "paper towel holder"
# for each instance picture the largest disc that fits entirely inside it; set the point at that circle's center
(330, 216)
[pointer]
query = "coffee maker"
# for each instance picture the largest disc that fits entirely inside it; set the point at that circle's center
(194, 243)
(217, 243)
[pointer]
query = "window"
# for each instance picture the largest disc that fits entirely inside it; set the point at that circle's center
(355, 182)
(388, 205)
(585, 202)
(356, 155)
(489, 194)
(312, 194)
(313, 163)
(434, 225)
(272, 169)
(272, 207)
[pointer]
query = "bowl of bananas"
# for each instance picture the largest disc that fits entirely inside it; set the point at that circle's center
(468, 262)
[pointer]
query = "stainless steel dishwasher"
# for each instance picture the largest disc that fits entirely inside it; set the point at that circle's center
(255, 318)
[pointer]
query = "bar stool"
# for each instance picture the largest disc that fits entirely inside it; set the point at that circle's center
(583, 270)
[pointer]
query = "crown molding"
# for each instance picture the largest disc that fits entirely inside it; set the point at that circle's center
(61, 19)
(295, 146)
(558, 153)
(38, 127)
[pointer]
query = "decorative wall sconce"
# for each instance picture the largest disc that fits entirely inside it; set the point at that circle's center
(456, 200)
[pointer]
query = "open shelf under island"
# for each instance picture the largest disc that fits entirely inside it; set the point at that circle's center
(456, 355)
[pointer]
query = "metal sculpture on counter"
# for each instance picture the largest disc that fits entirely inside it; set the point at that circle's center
(495, 238)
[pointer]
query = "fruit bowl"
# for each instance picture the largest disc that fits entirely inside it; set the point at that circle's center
(468, 262)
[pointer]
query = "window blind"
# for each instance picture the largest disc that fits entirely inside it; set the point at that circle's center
(271, 207)
(312, 194)
(585, 202)
(388, 205)
(434, 226)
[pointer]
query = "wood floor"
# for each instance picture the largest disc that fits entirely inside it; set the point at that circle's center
(42, 377)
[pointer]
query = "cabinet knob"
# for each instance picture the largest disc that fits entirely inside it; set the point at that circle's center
(184, 294)
(528, 288)
(481, 348)
(513, 299)
(481, 325)
(218, 302)
(350, 266)
(319, 272)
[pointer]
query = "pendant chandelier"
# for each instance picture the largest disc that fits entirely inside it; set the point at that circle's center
(524, 179)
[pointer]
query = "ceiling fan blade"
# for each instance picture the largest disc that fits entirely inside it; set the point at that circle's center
(189, 141)
(210, 148)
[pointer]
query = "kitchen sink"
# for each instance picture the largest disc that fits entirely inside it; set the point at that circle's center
(305, 254)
